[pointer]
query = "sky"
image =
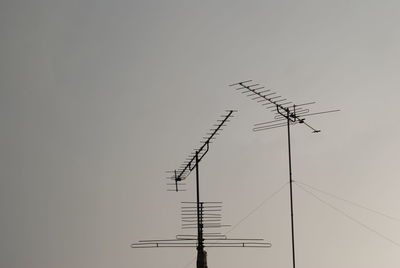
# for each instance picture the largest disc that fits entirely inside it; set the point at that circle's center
(99, 98)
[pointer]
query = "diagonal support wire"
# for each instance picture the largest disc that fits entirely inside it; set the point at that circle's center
(349, 217)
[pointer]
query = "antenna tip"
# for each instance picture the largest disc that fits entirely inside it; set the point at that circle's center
(239, 83)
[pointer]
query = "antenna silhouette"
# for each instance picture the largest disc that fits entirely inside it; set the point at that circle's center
(200, 215)
(210, 218)
(286, 114)
(197, 155)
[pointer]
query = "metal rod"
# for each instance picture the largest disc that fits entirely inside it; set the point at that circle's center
(209, 202)
(290, 183)
(200, 246)
(176, 182)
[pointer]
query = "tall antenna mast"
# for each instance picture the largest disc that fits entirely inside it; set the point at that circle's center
(192, 162)
(286, 114)
(200, 215)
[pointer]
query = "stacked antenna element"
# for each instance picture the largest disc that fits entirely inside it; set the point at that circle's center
(283, 109)
(210, 219)
(180, 174)
(210, 215)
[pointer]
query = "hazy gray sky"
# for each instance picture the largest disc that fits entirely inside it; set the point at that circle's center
(99, 98)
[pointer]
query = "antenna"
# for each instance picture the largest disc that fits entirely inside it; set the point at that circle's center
(190, 163)
(210, 218)
(286, 113)
(200, 215)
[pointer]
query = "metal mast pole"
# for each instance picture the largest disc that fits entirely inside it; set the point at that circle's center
(200, 246)
(290, 183)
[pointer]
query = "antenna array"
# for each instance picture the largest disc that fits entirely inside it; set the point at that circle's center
(180, 174)
(283, 110)
(210, 218)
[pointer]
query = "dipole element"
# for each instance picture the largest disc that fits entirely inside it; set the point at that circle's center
(286, 114)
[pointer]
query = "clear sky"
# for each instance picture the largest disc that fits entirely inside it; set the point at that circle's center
(99, 98)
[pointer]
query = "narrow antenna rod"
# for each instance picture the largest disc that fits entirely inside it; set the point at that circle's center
(291, 191)
(200, 245)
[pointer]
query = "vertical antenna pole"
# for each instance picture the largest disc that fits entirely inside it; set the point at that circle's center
(290, 182)
(200, 246)
(176, 181)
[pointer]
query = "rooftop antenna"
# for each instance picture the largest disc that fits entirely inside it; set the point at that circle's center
(200, 215)
(210, 218)
(194, 158)
(286, 114)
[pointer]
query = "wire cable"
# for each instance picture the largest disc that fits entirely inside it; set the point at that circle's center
(350, 217)
(268, 198)
(350, 202)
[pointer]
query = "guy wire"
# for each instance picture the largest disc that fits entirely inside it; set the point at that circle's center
(350, 202)
(349, 217)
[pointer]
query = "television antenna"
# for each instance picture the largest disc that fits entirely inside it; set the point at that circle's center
(211, 218)
(286, 114)
(194, 158)
(200, 215)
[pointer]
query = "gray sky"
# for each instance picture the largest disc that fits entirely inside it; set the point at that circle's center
(99, 98)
